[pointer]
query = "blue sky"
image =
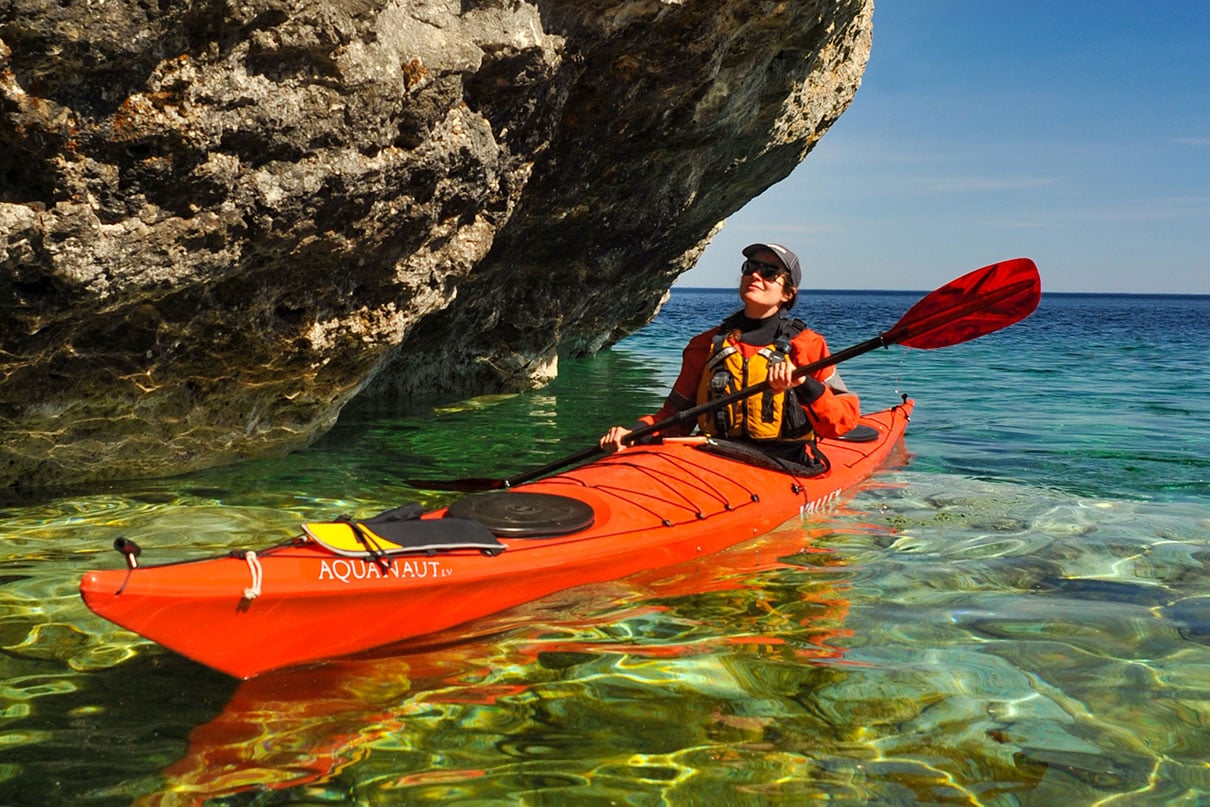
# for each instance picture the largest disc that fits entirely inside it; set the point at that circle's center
(1073, 132)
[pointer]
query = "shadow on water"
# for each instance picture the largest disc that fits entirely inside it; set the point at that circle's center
(104, 737)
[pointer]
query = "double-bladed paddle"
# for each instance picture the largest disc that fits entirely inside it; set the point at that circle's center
(966, 308)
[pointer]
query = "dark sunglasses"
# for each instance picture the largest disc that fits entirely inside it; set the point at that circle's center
(767, 271)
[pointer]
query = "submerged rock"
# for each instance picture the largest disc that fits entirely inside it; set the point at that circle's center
(221, 221)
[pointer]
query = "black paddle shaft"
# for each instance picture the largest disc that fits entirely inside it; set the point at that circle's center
(969, 303)
(692, 413)
(905, 330)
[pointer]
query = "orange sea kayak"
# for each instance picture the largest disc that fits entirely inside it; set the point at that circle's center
(345, 587)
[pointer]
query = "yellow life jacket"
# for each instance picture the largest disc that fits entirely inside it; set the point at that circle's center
(767, 415)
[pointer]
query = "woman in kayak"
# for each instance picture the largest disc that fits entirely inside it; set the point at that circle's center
(756, 343)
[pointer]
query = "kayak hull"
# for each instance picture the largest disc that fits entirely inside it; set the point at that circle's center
(653, 506)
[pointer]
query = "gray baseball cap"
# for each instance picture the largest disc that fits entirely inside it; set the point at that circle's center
(788, 259)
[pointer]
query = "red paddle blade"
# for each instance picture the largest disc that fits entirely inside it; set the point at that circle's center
(975, 304)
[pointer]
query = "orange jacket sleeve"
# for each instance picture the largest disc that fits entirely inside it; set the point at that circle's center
(832, 414)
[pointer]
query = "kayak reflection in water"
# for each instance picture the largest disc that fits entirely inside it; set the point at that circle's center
(758, 342)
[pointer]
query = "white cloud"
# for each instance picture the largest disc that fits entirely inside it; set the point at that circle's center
(1157, 209)
(1022, 224)
(985, 184)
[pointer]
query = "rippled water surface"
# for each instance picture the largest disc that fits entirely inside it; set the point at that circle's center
(1018, 612)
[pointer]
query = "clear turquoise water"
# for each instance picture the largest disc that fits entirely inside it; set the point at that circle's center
(1017, 614)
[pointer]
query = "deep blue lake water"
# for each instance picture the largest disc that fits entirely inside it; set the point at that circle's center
(1017, 614)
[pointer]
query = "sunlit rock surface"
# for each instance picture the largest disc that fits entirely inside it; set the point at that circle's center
(220, 221)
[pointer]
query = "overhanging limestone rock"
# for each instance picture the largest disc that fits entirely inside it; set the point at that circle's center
(220, 222)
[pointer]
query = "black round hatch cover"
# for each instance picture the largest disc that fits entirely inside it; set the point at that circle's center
(525, 515)
(860, 434)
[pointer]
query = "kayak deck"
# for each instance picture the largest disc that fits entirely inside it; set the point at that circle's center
(340, 589)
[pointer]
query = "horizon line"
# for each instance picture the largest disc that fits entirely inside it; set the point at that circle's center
(927, 291)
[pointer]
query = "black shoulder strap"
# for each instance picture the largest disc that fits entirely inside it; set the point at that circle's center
(791, 326)
(787, 329)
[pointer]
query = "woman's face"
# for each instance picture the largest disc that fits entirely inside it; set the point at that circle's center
(763, 297)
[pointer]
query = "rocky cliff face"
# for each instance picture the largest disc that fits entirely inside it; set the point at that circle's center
(222, 219)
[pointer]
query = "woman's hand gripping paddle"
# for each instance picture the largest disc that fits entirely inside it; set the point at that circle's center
(966, 308)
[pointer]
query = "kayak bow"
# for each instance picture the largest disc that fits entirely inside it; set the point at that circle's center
(342, 588)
